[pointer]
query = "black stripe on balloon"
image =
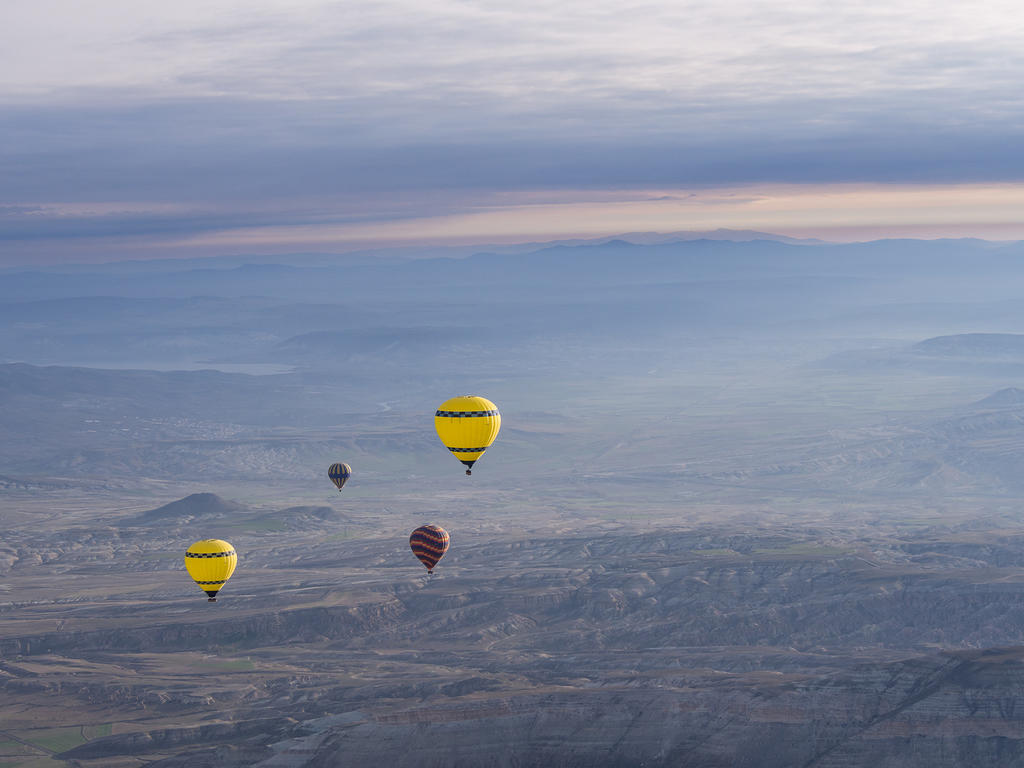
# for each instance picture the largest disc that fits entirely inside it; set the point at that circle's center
(209, 554)
(419, 548)
(429, 541)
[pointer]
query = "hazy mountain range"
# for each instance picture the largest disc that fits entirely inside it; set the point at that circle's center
(754, 503)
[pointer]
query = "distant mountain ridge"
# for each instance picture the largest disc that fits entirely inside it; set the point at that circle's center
(320, 512)
(1001, 345)
(201, 506)
(734, 235)
(373, 340)
(635, 259)
(1004, 398)
(401, 254)
(209, 507)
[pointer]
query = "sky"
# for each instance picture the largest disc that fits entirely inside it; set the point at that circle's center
(138, 129)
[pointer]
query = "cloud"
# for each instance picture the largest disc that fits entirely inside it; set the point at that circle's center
(206, 152)
(300, 113)
(829, 211)
(437, 63)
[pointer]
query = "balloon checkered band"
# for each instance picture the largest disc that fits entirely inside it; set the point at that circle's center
(466, 414)
(203, 583)
(468, 450)
(210, 554)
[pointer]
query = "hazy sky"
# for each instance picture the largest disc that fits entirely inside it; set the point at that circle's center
(141, 128)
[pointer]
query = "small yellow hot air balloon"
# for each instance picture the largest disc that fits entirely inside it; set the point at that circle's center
(210, 563)
(467, 426)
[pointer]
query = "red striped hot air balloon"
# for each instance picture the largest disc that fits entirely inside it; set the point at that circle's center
(429, 543)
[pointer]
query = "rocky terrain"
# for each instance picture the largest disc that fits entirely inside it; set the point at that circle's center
(772, 519)
(694, 643)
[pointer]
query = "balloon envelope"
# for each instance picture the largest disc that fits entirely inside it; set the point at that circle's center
(429, 543)
(467, 426)
(339, 474)
(210, 563)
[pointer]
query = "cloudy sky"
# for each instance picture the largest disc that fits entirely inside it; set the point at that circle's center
(136, 128)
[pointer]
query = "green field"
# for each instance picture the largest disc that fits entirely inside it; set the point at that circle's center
(97, 731)
(55, 739)
(36, 761)
(713, 552)
(13, 749)
(227, 665)
(800, 548)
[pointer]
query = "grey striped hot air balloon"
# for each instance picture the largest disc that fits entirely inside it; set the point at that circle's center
(339, 474)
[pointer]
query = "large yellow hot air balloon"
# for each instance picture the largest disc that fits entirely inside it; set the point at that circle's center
(210, 563)
(467, 426)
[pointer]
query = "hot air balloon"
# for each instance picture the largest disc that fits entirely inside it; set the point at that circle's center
(210, 563)
(467, 426)
(429, 543)
(339, 474)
